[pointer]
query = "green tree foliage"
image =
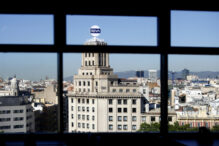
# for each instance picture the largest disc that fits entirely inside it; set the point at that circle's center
(149, 127)
(153, 127)
(183, 128)
(215, 128)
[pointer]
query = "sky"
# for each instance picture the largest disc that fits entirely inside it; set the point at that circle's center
(188, 28)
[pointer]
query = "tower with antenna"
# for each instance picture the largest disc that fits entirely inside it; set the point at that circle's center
(173, 77)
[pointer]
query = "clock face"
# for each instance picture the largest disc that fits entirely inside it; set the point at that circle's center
(95, 30)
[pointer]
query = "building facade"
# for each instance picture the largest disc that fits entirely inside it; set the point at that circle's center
(101, 102)
(152, 75)
(16, 115)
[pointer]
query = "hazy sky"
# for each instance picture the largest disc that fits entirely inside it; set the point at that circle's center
(187, 29)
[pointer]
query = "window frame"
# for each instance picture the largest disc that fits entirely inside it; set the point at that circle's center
(60, 47)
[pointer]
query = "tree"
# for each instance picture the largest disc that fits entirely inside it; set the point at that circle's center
(183, 128)
(154, 127)
(215, 128)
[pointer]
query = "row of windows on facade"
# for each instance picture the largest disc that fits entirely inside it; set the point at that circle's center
(83, 117)
(119, 127)
(14, 111)
(15, 118)
(9, 119)
(83, 100)
(113, 90)
(82, 125)
(14, 126)
(119, 110)
(125, 118)
(119, 118)
(83, 109)
(89, 54)
(89, 63)
(110, 101)
(126, 90)
(134, 118)
(125, 127)
(86, 73)
(120, 101)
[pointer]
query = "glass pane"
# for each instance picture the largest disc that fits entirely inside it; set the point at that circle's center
(28, 87)
(111, 92)
(193, 92)
(115, 30)
(195, 28)
(26, 29)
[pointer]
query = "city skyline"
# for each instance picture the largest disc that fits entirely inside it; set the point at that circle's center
(187, 29)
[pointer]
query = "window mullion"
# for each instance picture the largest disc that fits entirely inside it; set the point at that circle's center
(164, 43)
(60, 43)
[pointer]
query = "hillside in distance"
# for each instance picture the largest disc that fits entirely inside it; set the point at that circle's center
(131, 73)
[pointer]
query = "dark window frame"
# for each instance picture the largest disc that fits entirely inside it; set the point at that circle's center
(163, 48)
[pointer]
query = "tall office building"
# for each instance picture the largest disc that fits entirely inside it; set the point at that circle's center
(101, 102)
(152, 75)
(185, 73)
(140, 74)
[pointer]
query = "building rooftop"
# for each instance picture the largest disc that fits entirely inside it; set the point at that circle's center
(13, 100)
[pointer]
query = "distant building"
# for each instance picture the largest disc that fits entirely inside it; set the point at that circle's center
(12, 89)
(152, 75)
(140, 74)
(191, 77)
(47, 96)
(185, 73)
(16, 114)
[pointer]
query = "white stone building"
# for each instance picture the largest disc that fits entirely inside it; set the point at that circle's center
(101, 102)
(12, 89)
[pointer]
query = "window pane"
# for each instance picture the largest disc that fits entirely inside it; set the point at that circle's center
(194, 28)
(193, 92)
(113, 72)
(28, 92)
(26, 29)
(116, 30)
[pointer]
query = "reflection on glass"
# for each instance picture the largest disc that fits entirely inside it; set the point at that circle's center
(193, 92)
(28, 99)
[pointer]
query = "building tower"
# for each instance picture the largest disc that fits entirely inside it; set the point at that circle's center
(95, 103)
(173, 77)
(95, 73)
(185, 73)
(14, 86)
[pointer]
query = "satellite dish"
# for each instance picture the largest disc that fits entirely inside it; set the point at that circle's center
(95, 30)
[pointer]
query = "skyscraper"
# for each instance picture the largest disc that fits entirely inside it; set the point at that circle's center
(140, 73)
(185, 73)
(152, 75)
